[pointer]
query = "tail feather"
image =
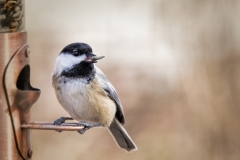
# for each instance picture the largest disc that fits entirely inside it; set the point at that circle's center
(121, 136)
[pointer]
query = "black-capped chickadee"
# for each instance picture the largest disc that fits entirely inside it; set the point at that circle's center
(86, 94)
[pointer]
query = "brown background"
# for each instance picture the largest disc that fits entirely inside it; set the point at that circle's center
(174, 63)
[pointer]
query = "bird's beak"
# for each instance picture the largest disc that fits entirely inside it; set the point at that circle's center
(92, 58)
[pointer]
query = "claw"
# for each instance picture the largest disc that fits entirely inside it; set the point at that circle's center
(86, 126)
(61, 120)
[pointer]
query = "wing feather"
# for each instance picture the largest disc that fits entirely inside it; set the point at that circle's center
(112, 94)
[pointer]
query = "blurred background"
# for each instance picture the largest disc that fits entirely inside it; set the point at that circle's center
(174, 63)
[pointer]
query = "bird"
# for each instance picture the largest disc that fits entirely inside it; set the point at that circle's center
(86, 94)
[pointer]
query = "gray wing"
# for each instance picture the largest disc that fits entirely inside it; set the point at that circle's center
(112, 94)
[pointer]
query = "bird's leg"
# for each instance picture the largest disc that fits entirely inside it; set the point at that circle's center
(86, 126)
(61, 120)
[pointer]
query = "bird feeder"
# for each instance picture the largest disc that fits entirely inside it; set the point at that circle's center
(17, 95)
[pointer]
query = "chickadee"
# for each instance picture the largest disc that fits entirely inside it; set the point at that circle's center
(86, 94)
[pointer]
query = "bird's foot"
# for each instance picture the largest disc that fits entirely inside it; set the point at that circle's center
(61, 120)
(86, 126)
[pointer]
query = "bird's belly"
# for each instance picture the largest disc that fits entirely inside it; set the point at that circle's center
(86, 105)
(74, 100)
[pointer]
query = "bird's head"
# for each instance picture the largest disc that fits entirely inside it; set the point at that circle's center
(75, 54)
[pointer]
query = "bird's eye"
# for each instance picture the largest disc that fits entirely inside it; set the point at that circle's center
(75, 53)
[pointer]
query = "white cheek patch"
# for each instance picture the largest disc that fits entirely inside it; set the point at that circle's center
(67, 61)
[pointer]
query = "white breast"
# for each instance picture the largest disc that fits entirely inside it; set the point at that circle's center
(72, 96)
(85, 102)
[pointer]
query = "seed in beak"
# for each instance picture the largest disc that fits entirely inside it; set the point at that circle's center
(95, 58)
